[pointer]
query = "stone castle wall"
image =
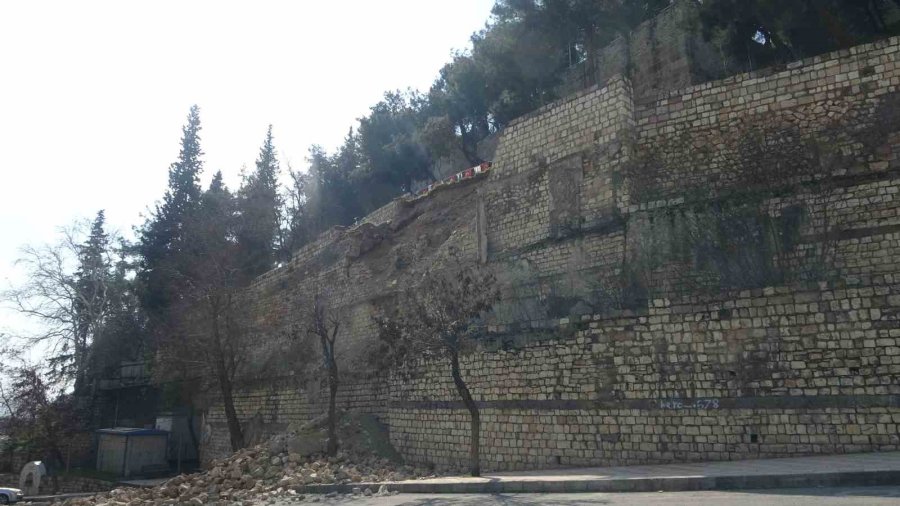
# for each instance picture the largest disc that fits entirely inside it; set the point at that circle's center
(708, 274)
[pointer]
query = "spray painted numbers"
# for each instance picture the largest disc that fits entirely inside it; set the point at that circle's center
(689, 404)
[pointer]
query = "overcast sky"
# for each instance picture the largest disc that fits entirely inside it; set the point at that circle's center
(93, 94)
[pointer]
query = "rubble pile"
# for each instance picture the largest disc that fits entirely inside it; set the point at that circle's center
(260, 473)
(254, 474)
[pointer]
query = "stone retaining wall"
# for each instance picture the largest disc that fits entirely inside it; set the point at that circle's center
(713, 274)
(778, 371)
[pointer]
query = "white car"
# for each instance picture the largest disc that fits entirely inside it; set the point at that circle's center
(10, 495)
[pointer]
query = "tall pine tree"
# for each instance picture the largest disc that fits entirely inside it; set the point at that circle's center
(259, 206)
(93, 286)
(162, 237)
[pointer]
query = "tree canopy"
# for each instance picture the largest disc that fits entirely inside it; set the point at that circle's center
(516, 64)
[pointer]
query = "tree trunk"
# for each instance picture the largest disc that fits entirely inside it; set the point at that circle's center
(469, 145)
(326, 341)
(475, 444)
(80, 366)
(332, 409)
(235, 432)
(234, 425)
(195, 442)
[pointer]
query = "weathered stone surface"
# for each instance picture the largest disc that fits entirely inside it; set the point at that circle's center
(306, 443)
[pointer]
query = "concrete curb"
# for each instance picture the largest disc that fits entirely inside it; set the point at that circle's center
(662, 484)
(40, 499)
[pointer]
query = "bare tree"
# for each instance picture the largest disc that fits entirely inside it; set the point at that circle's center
(441, 318)
(210, 338)
(67, 293)
(326, 326)
(321, 323)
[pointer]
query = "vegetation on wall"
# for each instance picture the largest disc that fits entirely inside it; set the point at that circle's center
(755, 34)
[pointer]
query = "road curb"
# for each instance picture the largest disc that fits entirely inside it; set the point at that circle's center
(661, 484)
(49, 498)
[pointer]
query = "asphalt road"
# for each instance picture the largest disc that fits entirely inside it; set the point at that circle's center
(862, 496)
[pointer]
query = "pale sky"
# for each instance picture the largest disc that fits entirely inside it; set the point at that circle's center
(93, 94)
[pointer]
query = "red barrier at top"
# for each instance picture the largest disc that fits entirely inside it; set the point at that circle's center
(459, 176)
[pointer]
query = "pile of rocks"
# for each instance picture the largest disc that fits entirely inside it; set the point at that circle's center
(255, 474)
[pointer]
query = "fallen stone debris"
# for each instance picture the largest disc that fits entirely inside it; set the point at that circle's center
(257, 476)
(269, 471)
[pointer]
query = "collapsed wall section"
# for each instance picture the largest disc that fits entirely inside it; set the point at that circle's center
(354, 269)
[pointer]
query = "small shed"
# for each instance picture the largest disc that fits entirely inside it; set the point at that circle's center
(127, 451)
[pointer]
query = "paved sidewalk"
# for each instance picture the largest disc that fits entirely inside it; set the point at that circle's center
(865, 469)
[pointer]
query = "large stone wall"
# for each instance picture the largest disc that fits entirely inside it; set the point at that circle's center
(553, 168)
(715, 135)
(778, 371)
(710, 274)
